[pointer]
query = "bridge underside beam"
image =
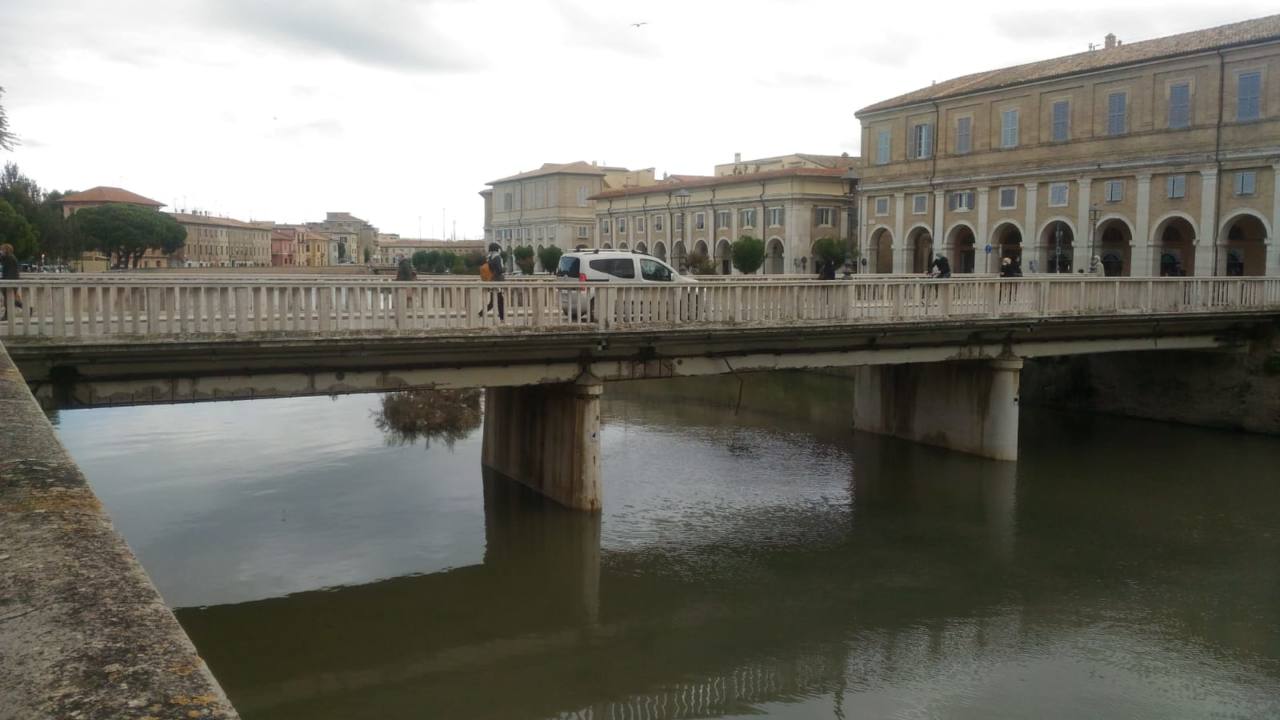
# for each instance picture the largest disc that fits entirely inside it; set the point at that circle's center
(970, 406)
(547, 437)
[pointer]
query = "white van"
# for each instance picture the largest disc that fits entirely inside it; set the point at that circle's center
(601, 266)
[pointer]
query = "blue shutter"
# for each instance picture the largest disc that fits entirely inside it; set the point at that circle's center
(1248, 96)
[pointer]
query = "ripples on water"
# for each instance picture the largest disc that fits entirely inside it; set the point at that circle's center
(759, 562)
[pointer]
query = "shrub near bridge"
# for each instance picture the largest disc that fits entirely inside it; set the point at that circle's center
(748, 254)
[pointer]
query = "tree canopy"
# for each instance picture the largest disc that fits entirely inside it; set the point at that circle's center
(16, 231)
(748, 254)
(550, 257)
(524, 259)
(126, 232)
(55, 236)
(700, 264)
(830, 250)
(7, 139)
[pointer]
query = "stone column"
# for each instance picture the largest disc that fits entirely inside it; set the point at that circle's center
(1140, 252)
(1207, 235)
(547, 437)
(988, 261)
(939, 218)
(864, 239)
(1031, 238)
(970, 406)
(901, 255)
(1083, 240)
(1273, 247)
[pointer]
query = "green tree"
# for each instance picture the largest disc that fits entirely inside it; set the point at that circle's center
(459, 264)
(126, 232)
(550, 257)
(472, 261)
(16, 231)
(524, 259)
(830, 250)
(7, 139)
(368, 255)
(447, 260)
(700, 264)
(421, 261)
(748, 254)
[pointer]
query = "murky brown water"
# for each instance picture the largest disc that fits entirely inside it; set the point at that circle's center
(765, 563)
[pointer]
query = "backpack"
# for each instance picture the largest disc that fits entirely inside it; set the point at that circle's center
(496, 271)
(486, 273)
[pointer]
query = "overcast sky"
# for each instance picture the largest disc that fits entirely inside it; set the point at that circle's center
(397, 110)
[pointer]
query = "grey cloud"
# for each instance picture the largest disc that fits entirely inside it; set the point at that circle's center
(1130, 24)
(799, 81)
(387, 33)
(587, 28)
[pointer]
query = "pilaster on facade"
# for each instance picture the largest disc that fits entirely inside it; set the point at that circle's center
(901, 251)
(1140, 252)
(1207, 233)
(940, 238)
(1273, 247)
(1083, 242)
(983, 239)
(864, 235)
(1031, 238)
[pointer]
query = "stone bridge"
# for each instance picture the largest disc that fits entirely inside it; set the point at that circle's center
(936, 361)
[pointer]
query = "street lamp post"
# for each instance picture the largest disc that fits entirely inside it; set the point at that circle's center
(1094, 213)
(1057, 247)
(682, 201)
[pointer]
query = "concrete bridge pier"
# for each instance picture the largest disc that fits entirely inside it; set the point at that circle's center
(965, 405)
(547, 437)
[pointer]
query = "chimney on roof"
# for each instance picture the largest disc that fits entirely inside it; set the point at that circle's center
(1111, 41)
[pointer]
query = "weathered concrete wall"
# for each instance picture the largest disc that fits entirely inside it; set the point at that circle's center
(83, 632)
(1230, 390)
(970, 406)
(548, 438)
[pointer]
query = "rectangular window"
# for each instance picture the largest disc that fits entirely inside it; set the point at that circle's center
(722, 219)
(1059, 194)
(882, 147)
(1009, 129)
(960, 200)
(1008, 198)
(584, 231)
(604, 227)
(964, 135)
(747, 218)
(700, 221)
(775, 217)
(1249, 96)
(506, 201)
(583, 192)
(657, 223)
(882, 206)
(1116, 120)
(639, 224)
(1246, 182)
(1114, 191)
(822, 216)
(622, 225)
(1061, 120)
(680, 221)
(921, 141)
(1177, 186)
(919, 204)
(1179, 106)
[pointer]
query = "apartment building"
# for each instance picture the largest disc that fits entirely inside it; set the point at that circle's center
(788, 204)
(214, 241)
(551, 205)
(1158, 156)
(352, 239)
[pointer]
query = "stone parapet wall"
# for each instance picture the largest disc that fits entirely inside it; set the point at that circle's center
(83, 632)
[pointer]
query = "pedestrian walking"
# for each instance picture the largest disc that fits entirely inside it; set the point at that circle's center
(494, 271)
(8, 271)
(940, 267)
(1096, 268)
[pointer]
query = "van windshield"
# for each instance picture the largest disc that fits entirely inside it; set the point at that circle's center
(568, 267)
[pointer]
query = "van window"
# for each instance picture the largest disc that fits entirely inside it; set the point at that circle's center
(654, 270)
(568, 267)
(617, 267)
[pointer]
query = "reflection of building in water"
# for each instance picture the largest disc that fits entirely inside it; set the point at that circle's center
(411, 415)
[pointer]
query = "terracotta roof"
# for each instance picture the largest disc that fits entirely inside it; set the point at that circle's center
(1242, 33)
(671, 185)
(193, 219)
(574, 168)
(105, 194)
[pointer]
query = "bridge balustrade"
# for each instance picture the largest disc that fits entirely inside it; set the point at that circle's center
(133, 307)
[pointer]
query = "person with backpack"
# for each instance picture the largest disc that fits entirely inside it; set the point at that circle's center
(8, 271)
(493, 271)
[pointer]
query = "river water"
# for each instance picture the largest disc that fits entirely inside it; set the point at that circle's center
(754, 558)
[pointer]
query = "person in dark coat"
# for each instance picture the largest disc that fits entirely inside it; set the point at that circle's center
(826, 270)
(8, 271)
(405, 271)
(497, 273)
(940, 267)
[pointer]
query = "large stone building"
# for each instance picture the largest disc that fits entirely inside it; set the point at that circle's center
(788, 202)
(352, 239)
(93, 260)
(214, 241)
(551, 205)
(1159, 156)
(392, 248)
